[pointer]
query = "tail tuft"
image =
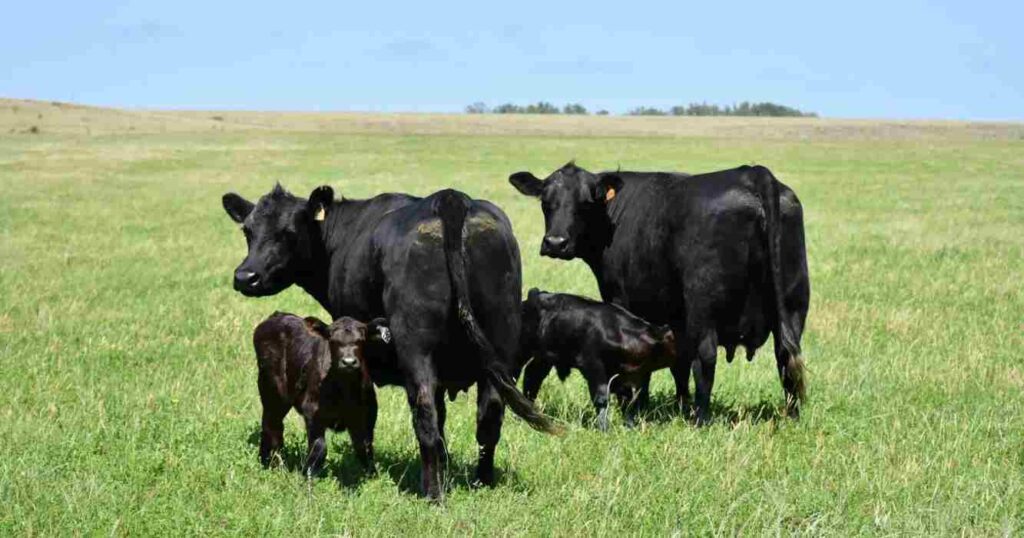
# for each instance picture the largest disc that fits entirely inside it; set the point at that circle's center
(796, 373)
(522, 406)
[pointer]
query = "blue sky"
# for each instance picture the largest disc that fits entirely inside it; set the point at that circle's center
(890, 59)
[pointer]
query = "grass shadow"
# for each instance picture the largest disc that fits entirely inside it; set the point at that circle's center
(347, 470)
(405, 469)
(401, 467)
(663, 409)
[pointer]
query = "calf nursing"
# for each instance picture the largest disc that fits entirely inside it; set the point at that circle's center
(614, 350)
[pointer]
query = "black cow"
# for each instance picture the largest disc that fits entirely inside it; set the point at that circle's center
(323, 373)
(443, 270)
(719, 257)
(613, 349)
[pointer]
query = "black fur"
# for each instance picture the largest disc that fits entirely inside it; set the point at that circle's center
(720, 257)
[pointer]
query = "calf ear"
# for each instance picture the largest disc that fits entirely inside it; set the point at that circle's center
(608, 187)
(318, 327)
(319, 201)
(666, 335)
(526, 183)
(533, 294)
(378, 331)
(238, 208)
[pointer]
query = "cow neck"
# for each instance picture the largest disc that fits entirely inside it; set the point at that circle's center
(330, 240)
(314, 279)
(600, 231)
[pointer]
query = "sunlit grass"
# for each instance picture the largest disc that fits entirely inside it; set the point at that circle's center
(128, 399)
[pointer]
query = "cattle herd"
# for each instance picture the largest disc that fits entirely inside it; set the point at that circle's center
(426, 293)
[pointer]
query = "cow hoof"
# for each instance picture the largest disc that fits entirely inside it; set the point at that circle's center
(484, 479)
(435, 498)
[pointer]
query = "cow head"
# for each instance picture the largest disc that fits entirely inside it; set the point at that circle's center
(573, 201)
(282, 232)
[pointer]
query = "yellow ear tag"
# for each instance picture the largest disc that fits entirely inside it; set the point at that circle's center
(608, 196)
(320, 214)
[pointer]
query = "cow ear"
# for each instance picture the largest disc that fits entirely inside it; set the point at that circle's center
(378, 331)
(318, 327)
(608, 188)
(526, 183)
(319, 201)
(238, 208)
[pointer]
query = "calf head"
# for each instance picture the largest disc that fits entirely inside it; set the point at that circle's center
(655, 349)
(282, 233)
(573, 201)
(351, 342)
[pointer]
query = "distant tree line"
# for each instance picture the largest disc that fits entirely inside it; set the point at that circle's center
(693, 109)
(540, 107)
(745, 108)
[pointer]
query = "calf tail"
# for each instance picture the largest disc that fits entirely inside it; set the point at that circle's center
(768, 191)
(452, 207)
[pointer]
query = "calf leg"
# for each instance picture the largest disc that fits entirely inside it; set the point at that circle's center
(361, 432)
(272, 434)
(490, 413)
(421, 393)
(703, 349)
(274, 410)
(315, 436)
(536, 371)
(597, 382)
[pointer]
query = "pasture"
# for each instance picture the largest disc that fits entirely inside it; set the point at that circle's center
(128, 400)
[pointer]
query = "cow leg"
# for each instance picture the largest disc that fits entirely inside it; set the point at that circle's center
(490, 413)
(643, 397)
(597, 383)
(703, 349)
(421, 393)
(536, 371)
(681, 370)
(442, 416)
(317, 442)
(681, 375)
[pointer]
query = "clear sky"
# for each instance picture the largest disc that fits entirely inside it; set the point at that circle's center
(888, 59)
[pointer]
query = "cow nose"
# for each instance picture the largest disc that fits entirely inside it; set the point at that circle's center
(246, 278)
(554, 241)
(349, 362)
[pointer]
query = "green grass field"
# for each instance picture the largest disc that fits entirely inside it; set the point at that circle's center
(128, 400)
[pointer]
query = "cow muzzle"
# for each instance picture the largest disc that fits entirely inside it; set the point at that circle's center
(556, 246)
(248, 282)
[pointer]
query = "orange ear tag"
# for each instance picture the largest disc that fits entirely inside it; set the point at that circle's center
(610, 194)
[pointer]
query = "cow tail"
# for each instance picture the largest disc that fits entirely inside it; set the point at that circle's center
(768, 188)
(452, 208)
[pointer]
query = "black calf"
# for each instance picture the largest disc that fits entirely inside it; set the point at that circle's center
(322, 372)
(613, 349)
